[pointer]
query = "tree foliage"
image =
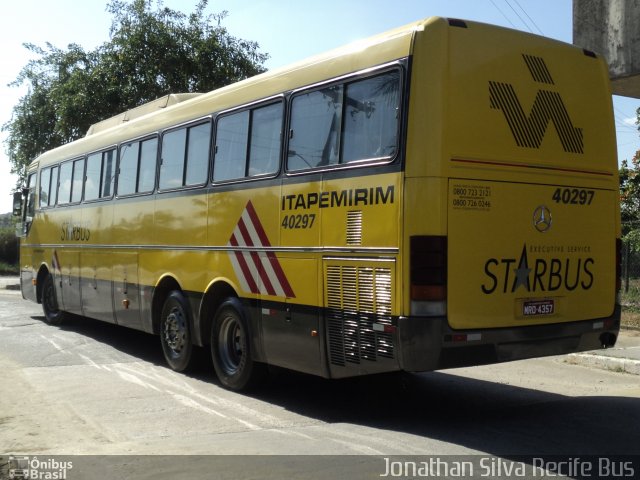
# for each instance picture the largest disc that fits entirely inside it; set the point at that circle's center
(152, 51)
(629, 173)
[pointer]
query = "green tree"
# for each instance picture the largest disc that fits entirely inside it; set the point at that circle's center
(629, 174)
(152, 51)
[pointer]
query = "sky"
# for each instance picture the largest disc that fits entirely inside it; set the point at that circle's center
(288, 31)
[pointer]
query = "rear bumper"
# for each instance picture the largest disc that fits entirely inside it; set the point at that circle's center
(430, 344)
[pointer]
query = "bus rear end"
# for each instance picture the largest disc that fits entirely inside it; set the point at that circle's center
(511, 199)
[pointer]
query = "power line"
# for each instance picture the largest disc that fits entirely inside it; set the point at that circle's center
(532, 21)
(518, 15)
(503, 14)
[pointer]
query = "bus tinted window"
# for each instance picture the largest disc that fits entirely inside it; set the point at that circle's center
(266, 126)
(92, 181)
(99, 177)
(371, 118)
(248, 143)
(45, 184)
(31, 197)
(78, 177)
(321, 135)
(316, 119)
(64, 190)
(231, 146)
(137, 170)
(147, 171)
(198, 154)
(172, 165)
(128, 170)
(185, 157)
(108, 173)
(53, 189)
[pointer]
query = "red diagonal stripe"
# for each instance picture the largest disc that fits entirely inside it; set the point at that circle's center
(256, 258)
(277, 268)
(257, 225)
(246, 271)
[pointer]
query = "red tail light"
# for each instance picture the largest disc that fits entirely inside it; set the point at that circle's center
(428, 274)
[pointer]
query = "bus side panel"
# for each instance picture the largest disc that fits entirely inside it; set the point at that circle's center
(126, 290)
(95, 288)
(69, 280)
(27, 274)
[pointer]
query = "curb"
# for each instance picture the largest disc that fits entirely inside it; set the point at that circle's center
(614, 364)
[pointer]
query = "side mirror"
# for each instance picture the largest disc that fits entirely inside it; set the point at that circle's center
(17, 203)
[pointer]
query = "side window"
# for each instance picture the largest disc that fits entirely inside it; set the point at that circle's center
(185, 157)
(78, 178)
(31, 197)
(148, 160)
(371, 118)
(198, 146)
(264, 147)
(45, 185)
(231, 146)
(99, 178)
(172, 163)
(108, 173)
(137, 169)
(92, 180)
(64, 188)
(316, 121)
(53, 189)
(128, 169)
(346, 123)
(248, 143)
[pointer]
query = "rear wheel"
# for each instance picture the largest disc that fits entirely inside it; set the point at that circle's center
(231, 348)
(52, 314)
(175, 335)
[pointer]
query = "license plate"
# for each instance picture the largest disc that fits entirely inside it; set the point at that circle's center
(533, 308)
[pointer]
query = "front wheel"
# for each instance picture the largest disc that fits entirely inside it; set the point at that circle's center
(52, 313)
(231, 348)
(175, 335)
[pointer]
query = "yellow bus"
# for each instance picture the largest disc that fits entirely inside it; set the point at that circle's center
(440, 195)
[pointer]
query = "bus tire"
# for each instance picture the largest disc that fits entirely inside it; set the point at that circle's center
(175, 333)
(231, 348)
(52, 313)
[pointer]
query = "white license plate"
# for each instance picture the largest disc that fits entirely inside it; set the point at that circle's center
(534, 308)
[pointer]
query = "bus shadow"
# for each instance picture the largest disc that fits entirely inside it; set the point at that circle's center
(134, 343)
(476, 414)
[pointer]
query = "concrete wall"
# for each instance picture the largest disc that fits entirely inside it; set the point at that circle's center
(612, 28)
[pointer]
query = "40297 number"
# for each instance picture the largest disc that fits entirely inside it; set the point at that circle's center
(298, 221)
(573, 196)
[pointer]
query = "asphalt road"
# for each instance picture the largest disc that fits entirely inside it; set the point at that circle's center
(93, 388)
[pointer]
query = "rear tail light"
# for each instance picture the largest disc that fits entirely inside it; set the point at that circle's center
(428, 273)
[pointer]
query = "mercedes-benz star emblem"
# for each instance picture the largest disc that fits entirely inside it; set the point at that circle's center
(542, 218)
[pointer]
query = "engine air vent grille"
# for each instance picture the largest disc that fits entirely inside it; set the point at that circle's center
(359, 300)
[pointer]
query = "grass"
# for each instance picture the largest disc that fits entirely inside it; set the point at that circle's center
(630, 300)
